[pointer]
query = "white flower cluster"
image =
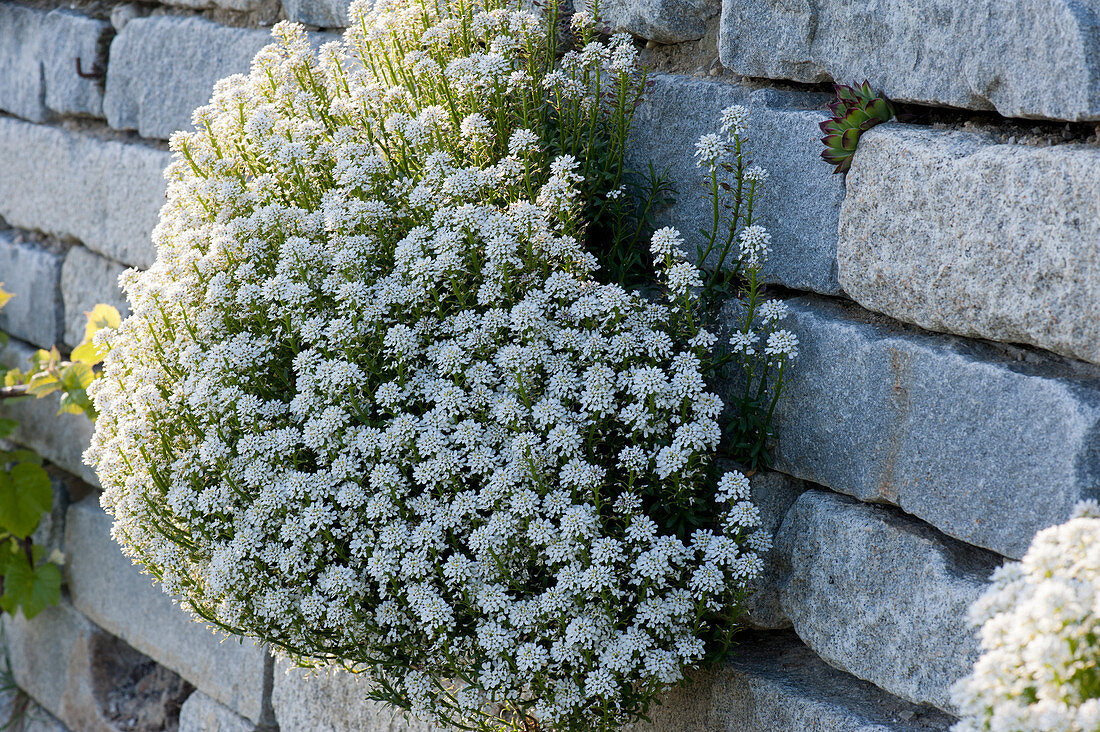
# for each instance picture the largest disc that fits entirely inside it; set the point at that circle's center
(1040, 634)
(372, 408)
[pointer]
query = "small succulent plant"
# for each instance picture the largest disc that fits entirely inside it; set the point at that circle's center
(856, 110)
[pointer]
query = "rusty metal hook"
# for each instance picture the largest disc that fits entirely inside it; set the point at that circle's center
(96, 72)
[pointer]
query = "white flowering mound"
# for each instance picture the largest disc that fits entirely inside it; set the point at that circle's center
(1040, 632)
(372, 408)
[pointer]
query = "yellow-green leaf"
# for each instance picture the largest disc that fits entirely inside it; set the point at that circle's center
(43, 383)
(100, 317)
(4, 295)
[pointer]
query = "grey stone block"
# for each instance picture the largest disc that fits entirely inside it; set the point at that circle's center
(987, 445)
(332, 701)
(114, 593)
(200, 713)
(663, 21)
(60, 438)
(238, 6)
(33, 275)
(22, 714)
(54, 658)
(1022, 58)
(105, 193)
(955, 233)
(88, 279)
(163, 67)
(773, 683)
(880, 595)
(322, 13)
(38, 53)
(89, 679)
(801, 203)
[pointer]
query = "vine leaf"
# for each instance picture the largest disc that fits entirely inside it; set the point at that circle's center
(29, 588)
(100, 317)
(25, 494)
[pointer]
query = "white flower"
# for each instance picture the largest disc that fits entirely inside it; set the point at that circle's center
(711, 149)
(735, 119)
(782, 343)
(773, 310)
(755, 245)
(665, 242)
(756, 174)
(476, 126)
(1038, 622)
(744, 343)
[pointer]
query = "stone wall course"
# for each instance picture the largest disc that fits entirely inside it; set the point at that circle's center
(119, 597)
(663, 21)
(801, 202)
(74, 184)
(88, 279)
(952, 232)
(772, 682)
(332, 700)
(322, 13)
(200, 713)
(33, 275)
(163, 67)
(989, 445)
(38, 54)
(1021, 58)
(53, 657)
(880, 595)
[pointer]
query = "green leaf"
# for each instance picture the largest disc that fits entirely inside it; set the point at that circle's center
(21, 455)
(31, 588)
(25, 494)
(7, 427)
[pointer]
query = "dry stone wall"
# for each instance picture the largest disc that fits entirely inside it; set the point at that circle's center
(946, 294)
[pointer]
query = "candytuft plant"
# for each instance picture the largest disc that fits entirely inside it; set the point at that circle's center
(1039, 628)
(732, 254)
(856, 110)
(374, 407)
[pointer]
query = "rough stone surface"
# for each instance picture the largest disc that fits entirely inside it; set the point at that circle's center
(60, 438)
(801, 203)
(955, 233)
(105, 193)
(989, 445)
(773, 493)
(238, 6)
(22, 714)
(88, 279)
(163, 67)
(200, 713)
(773, 683)
(663, 21)
(114, 593)
(1032, 58)
(38, 52)
(323, 13)
(32, 274)
(54, 658)
(880, 595)
(332, 701)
